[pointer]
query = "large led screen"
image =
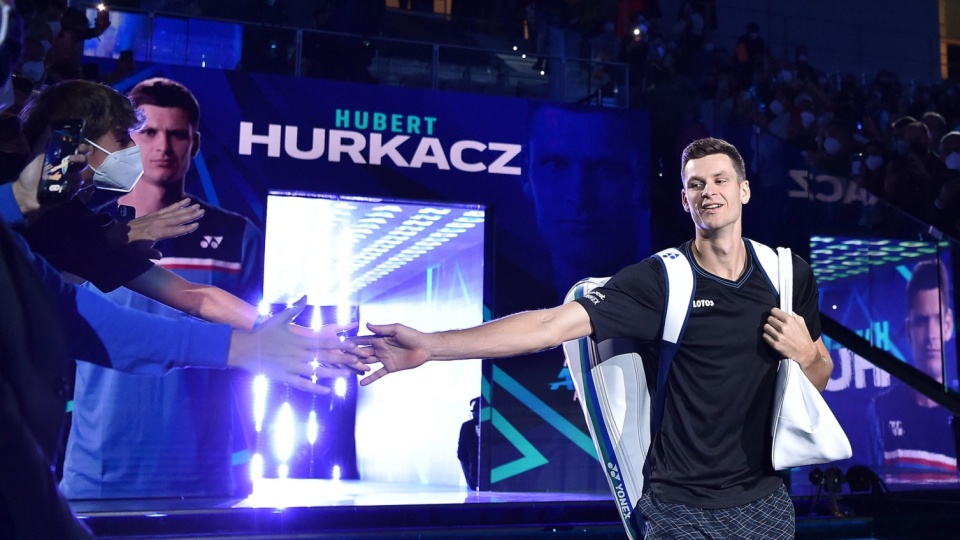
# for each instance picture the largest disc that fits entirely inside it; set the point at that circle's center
(898, 295)
(381, 261)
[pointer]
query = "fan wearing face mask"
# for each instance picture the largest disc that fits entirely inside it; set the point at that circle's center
(94, 247)
(868, 172)
(946, 212)
(914, 175)
(836, 148)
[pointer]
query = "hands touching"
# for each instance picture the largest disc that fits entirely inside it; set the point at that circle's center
(395, 346)
(294, 355)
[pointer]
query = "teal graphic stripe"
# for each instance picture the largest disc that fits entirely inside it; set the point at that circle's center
(537, 405)
(904, 271)
(532, 458)
(485, 392)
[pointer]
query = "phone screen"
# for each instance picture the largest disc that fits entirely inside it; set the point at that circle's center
(65, 138)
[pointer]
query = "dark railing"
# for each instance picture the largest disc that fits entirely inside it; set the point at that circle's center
(156, 37)
(918, 380)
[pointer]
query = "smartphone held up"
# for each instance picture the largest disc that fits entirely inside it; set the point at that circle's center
(65, 139)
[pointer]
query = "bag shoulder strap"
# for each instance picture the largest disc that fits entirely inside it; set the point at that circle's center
(680, 282)
(769, 263)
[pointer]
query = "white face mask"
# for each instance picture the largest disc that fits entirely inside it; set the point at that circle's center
(952, 161)
(46, 45)
(776, 108)
(873, 162)
(33, 70)
(120, 171)
(54, 27)
(807, 118)
(831, 146)
(785, 76)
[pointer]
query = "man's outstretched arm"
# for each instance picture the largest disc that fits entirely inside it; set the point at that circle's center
(398, 347)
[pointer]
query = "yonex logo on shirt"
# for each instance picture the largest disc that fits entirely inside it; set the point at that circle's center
(671, 255)
(212, 242)
(702, 303)
(595, 297)
(896, 427)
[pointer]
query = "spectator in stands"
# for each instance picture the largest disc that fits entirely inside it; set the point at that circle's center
(22, 90)
(936, 127)
(804, 71)
(914, 175)
(869, 175)
(803, 129)
(33, 62)
(873, 167)
(604, 49)
(750, 54)
(833, 156)
(946, 207)
(780, 111)
(716, 111)
(898, 143)
(690, 29)
(62, 63)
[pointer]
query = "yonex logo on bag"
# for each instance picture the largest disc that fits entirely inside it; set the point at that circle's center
(212, 242)
(702, 303)
(619, 490)
(614, 472)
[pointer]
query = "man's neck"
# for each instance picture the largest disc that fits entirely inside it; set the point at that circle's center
(148, 198)
(724, 255)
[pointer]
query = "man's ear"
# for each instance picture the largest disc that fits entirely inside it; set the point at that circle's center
(195, 149)
(744, 192)
(683, 201)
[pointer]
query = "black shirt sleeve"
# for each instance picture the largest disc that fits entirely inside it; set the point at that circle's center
(74, 239)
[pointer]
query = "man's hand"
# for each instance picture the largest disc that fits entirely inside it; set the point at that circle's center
(102, 22)
(395, 346)
(178, 219)
(787, 333)
(285, 354)
(27, 184)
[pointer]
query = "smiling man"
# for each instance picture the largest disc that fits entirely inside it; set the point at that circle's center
(175, 435)
(711, 472)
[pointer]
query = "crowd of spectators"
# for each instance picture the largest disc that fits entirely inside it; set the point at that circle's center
(898, 140)
(53, 38)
